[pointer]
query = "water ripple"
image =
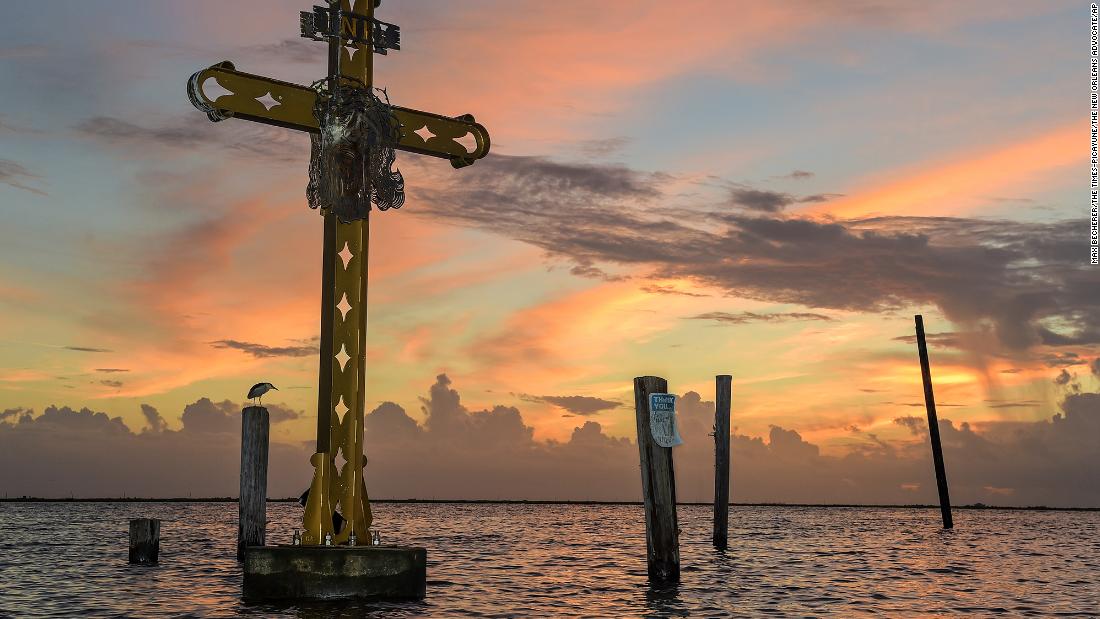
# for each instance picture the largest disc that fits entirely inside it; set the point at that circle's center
(69, 559)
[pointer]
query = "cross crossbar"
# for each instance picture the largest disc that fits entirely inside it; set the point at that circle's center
(290, 105)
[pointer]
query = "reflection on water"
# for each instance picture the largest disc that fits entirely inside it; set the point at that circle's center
(69, 559)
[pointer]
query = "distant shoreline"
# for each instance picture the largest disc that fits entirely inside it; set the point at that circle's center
(532, 502)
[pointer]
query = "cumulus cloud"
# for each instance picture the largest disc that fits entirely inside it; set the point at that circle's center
(153, 421)
(455, 452)
(90, 454)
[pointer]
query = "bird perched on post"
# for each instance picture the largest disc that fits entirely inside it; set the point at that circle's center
(258, 390)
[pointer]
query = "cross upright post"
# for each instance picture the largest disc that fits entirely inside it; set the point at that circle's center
(352, 172)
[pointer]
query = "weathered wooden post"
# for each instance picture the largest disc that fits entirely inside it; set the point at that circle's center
(722, 388)
(252, 504)
(662, 535)
(933, 425)
(144, 541)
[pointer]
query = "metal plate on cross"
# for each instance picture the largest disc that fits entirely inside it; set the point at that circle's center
(662, 419)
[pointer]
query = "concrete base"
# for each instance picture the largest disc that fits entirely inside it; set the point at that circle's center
(324, 572)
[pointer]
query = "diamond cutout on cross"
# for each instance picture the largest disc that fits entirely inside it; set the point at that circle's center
(346, 255)
(425, 133)
(342, 357)
(468, 141)
(344, 306)
(213, 89)
(268, 101)
(341, 408)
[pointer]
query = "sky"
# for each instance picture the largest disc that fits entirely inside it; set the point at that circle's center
(681, 189)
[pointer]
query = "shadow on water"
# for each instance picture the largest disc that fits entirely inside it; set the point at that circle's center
(339, 609)
(664, 601)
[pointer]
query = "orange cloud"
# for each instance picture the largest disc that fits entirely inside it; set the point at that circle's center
(963, 182)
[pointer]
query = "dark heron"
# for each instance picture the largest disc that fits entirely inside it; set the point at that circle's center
(258, 390)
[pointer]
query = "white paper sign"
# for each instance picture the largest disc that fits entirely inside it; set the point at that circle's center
(662, 419)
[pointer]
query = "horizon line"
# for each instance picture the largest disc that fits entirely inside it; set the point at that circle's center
(972, 506)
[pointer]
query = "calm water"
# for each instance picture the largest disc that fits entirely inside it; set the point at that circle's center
(514, 560)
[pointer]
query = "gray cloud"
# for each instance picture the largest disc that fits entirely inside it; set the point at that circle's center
(1061, 359)
(86, 453)
(819, 197)
(153, 421)
(766, 201)
(13, 174)
(13, 412)
(87, 349)
(110, 370)
(605, 147)
(742, 318)
(1012, 404)
(195, 131)
(1012, 278)
(940, 340)
(299, 51)
(491, 454)
(261, 351)
(761, 200)
(592, 272)
(797, 175)
(578, 404)
(657, 289)
(111, 383)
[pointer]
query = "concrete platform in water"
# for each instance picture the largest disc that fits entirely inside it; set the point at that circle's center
(326, 572)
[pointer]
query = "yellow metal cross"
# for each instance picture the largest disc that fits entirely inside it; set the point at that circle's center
(341, 392)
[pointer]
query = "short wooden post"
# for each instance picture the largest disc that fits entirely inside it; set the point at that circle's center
(722, 389)
(144, 541)
(933, 425)
(662, 535)
(252, 504)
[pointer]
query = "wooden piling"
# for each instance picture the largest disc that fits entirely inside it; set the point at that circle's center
(722, 389)
(252, 503)
(144, 541)
(662, 534)
(933, 425)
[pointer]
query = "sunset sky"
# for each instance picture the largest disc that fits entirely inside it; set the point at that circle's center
(684, 189)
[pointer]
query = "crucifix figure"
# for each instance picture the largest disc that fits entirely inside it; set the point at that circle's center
(354, 134)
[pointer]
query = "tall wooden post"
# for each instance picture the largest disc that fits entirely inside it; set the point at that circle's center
(933, 425)
(722, 389)
(662, 535)
(144, 541)
(252, 502)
